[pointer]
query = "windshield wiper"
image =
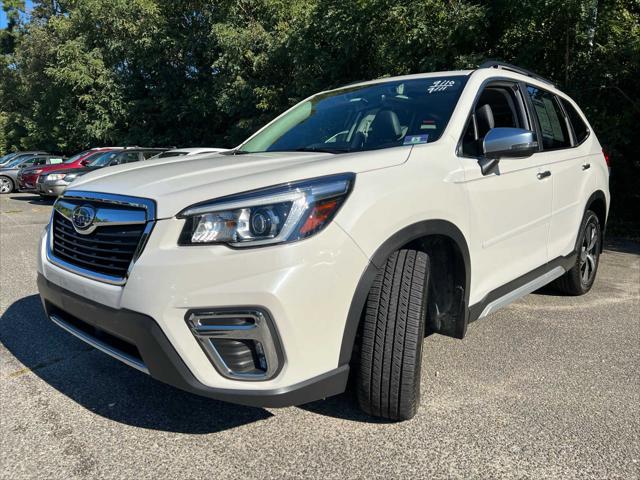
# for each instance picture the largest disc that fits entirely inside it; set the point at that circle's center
(323, 149)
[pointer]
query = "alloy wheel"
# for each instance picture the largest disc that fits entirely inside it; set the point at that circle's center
(589, 253)
(5, 185)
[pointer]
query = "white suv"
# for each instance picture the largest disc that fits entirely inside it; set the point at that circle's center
(332, 240)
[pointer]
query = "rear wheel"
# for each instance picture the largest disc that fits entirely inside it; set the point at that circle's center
(388, 377)
(580, 278)
(6, 185)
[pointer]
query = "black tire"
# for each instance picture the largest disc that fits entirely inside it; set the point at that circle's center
(6, 184)
(388, 375)
(580, 278)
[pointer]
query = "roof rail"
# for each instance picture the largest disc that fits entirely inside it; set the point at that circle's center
(514, 68)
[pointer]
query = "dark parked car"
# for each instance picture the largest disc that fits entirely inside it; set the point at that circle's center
(9, 173)
(54, 184)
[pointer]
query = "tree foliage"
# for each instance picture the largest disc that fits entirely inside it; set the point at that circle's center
(80, 73)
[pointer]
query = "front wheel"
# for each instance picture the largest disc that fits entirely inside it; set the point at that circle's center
(6, 185)
(388, 375)
(580, 278)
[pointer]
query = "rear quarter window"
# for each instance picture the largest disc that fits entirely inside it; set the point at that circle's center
(580, 128)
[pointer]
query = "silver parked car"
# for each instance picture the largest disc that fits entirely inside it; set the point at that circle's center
(9, 172)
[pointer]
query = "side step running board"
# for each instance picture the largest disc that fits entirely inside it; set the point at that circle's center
(520, 292)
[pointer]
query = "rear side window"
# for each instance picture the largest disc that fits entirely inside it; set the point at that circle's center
(171, 154)
(125, 157)
(550, 118)
(579, 127)
(149, 154)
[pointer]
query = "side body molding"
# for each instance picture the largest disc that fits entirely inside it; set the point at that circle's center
(407, 235)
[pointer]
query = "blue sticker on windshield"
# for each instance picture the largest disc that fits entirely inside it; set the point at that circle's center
(415, 139)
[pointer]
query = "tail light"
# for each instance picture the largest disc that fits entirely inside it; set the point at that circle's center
(606, 157)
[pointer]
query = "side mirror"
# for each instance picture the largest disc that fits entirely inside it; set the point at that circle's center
(509, 142)
(84, 162)
(502, 142)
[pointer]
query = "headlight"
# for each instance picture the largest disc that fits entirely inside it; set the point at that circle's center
(55, 176)
(284, 213)
(70, 177)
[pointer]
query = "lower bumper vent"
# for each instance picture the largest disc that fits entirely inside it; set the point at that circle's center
(241, 344)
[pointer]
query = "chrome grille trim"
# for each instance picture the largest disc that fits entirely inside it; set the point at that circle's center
(118, 216)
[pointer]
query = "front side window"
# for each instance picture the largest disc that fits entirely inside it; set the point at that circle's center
(553, 126)
(498, 106)
(351, 119)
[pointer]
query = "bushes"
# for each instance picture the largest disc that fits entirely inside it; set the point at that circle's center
(209, 72)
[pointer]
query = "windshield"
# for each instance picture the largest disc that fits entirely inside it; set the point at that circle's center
(76, 157)
(101, 160)
(7, 157)
(390, 114)
(18, 160)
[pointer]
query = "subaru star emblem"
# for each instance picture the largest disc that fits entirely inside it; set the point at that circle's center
(82, 216)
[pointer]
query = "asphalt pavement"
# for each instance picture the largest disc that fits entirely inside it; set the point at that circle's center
(546, 388)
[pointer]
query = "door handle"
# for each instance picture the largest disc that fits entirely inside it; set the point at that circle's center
(544, 174)
(586, 166)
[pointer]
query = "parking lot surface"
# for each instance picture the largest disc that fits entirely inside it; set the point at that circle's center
(546, 388)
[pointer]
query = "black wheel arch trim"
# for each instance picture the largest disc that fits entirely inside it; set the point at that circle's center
(597, 195)
(395, 242)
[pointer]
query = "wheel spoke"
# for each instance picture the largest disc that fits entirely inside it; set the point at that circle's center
(592, 238)
(585, 273)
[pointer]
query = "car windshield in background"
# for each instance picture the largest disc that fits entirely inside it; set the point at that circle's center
(7, 157)
(76, 157)
(370, 117)
(102, 160)
(17, 161)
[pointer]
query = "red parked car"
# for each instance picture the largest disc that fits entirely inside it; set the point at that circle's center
(29, 176)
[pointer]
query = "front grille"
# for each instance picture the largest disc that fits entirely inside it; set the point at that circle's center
(108, 250)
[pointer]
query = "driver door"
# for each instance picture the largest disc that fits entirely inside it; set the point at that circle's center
(509, 207)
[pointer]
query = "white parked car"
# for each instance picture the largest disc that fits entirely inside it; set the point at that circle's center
(183, 152)
(333, 239)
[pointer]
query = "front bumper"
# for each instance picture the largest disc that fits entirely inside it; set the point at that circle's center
(307, 287)
(93, 322)
(51, 189)
(27, 183)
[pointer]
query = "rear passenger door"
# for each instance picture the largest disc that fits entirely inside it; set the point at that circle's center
(569, 169)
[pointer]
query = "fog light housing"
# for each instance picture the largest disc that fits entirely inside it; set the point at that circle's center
(242, 344)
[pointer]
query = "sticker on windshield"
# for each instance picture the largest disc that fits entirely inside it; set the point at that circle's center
(441, 85)
(415, 139)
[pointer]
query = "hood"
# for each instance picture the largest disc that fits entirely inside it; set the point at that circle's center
(56, 166)
(79, 171)
(178, 182)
